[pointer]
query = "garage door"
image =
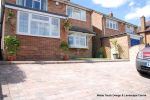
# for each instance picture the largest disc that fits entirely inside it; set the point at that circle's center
(135, 42)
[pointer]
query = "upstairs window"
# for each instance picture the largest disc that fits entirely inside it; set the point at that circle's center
(76, 13)
(129, 29)
(111, 24)
(36, 4)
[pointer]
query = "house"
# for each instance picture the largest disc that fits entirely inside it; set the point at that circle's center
(145, 30)
(39, 25)
(108, 29)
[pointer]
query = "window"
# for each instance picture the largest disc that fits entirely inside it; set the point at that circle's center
(36, 4)
(111, 24)
(77, 41)
(129, 29)
(76, 13)
(55, 26)
(23, 22)
(37, 25)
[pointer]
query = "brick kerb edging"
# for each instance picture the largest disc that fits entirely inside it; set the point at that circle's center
(60, 62)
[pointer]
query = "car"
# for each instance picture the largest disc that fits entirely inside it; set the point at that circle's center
(143, 60)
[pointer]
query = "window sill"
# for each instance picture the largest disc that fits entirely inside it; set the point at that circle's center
(113, 29)
(58, 37)
(74, 47)
(77, 19)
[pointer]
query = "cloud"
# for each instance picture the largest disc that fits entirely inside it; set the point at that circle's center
(132, 3)
(138, 12)
(111, 3)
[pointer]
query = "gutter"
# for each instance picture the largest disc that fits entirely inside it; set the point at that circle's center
(144, 32)
(114, 35)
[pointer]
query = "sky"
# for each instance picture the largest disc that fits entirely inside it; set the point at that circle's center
(128, 10)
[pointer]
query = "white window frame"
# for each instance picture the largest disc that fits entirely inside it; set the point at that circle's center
(29, 26)
(75, 45)
(73, 17)
(130, 29)
(37, 1)
(109, 22)
(17, 1)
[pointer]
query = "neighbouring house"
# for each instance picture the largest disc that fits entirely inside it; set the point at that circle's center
(145, 30)
(39, 25)
(108, 29)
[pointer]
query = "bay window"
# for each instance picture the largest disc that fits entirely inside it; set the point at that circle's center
(76, 13)
(77, 41)
(38, 25)
(36, 4)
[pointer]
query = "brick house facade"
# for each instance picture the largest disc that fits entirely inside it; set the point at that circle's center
(110, 28)
(37, 47)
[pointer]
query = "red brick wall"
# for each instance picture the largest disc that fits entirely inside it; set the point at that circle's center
(109, 32)
(97, 28)
(33, 47)
(61, 9)
(42, 48)
(124, 45)
(148, 37)
(84, 24)
(11, 1)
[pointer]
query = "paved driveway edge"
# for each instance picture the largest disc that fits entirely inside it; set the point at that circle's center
(61, 62)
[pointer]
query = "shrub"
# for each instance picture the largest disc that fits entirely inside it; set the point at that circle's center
(64, 46)
(11, 44)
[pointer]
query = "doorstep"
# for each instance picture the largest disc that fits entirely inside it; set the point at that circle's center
(62, 62)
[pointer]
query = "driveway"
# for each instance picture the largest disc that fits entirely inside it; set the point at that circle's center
(85, 81)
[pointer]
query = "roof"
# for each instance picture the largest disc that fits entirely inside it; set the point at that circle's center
(148, 23)
(147, 28)
(79, 29)
(121, 34)
(114, 18)
(117, 19)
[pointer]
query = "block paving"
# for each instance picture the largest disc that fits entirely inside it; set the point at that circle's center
(79, 81)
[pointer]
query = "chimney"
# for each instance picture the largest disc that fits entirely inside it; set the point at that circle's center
(143, 28)
(143, 24)
(111, 14)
